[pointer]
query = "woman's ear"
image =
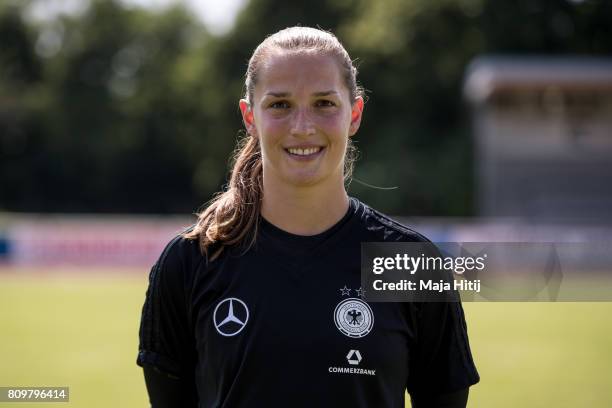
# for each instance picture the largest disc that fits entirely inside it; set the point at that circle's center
(356, 113)
(247, 117)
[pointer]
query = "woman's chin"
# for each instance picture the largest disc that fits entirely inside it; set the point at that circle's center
(305, 180)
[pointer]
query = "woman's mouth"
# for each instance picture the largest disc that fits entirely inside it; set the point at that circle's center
(304, 152)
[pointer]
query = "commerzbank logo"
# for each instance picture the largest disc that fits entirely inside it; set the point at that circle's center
(353, 358)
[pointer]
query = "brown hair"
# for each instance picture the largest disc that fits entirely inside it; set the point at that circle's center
(232, 216)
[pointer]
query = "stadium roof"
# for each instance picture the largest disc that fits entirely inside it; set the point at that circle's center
(490, 75)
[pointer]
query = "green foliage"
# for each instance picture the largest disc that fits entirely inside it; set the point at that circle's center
(126, 110)
(19, 66)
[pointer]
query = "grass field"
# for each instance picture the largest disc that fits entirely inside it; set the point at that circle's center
(528, 354)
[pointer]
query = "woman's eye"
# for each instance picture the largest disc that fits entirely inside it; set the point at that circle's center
(279, 105)
(325, 103)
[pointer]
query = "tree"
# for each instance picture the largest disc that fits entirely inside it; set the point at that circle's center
(125, 110)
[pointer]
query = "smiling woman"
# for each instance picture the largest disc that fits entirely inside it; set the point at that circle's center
(271, 270)
(302, 113)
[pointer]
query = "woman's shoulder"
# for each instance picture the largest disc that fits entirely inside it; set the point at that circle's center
(384, 228)
(181, 252)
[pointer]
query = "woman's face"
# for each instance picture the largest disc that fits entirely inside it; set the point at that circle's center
(302, 114)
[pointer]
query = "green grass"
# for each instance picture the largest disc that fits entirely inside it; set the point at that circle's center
(82, 332)
(541, 354)
(76, 332)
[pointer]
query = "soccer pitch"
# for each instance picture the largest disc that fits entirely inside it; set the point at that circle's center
(82, 332)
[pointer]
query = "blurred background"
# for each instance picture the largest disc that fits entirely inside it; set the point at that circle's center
(485, 120)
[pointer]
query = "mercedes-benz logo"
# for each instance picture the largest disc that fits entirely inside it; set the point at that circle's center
(230, 316)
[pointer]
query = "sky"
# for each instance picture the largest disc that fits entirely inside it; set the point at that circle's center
(217, 15)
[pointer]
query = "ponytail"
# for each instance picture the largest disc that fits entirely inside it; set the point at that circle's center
(232, 216)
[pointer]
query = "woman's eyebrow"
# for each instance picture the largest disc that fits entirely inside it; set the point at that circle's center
(325, 93)
(286, 94)
(277, 94)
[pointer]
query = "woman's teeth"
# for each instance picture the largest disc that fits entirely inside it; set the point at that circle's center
(304, 152)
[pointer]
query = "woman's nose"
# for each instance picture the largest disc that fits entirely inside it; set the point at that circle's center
(302, 125)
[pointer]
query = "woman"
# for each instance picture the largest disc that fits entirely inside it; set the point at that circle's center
(260, 303)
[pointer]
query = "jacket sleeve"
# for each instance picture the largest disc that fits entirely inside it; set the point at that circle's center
(167, 347)
(166, 391)
(441, 361)
(457, 399)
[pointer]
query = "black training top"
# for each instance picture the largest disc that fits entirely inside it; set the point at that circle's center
(286, 324)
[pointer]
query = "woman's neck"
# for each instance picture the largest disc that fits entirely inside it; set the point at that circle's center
(304, 210)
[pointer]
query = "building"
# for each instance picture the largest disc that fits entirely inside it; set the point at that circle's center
(543, 137)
